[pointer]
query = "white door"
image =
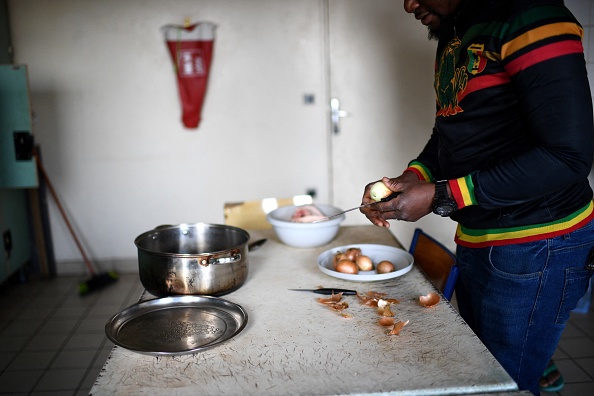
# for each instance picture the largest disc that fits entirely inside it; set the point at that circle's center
(381, 72)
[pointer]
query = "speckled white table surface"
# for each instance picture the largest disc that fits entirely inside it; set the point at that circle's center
(293, 345)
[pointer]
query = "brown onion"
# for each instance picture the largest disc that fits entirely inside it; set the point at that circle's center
(352, 253)
(347, 267)
(364, 263)
(337, 257)
(384, 267)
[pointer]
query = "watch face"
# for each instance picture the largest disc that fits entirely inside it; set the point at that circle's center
(444, 210)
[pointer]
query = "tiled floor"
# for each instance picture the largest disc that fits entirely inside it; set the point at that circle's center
(575, 356)
(52, 341)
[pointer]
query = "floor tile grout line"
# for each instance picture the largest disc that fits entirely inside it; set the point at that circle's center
(90, 367)
(579, 328)
(84, 315)
(573, 358)
(35, 333)
(26, 304)
(61, 348)
(582, 370)
(128, 295)
(579, 366)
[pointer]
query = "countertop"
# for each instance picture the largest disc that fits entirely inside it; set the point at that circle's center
(293, 345)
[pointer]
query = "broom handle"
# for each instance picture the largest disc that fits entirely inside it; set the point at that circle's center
(55, 196)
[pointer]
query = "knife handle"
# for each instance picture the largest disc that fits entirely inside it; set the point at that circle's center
(389, 197)
(328, 291)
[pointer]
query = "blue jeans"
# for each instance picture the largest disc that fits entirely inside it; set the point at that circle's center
(517, 298)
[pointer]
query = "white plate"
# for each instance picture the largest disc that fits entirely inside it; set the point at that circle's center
(401, 259)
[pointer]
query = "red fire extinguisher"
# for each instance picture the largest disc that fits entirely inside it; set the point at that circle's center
(191, 50)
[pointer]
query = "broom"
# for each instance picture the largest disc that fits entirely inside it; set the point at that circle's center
(97, 280)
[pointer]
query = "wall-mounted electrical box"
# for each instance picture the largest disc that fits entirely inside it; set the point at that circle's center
(17, 165)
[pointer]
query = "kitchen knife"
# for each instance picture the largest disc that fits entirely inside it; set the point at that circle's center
(386, 199)
(328, 291)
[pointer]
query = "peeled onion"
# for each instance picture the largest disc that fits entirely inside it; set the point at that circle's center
(364, 263)
(379, 191)
(385, 266)
(383, 308)
(347, 266)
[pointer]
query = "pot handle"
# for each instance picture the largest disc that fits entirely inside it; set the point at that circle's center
(205, 262)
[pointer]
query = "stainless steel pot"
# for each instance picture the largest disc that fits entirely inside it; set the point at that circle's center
(196, 258)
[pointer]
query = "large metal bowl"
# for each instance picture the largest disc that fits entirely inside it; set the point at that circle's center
(193, 259)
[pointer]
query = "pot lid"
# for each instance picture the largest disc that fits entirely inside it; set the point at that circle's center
(176, 325)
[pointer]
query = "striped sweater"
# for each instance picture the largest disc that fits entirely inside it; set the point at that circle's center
(513, 132)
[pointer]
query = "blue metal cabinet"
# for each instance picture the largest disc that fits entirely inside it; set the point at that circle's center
(16, 247)
(18, 171)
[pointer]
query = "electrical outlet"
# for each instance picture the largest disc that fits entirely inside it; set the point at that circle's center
(23, 145)
(7, 237)
(309, 99)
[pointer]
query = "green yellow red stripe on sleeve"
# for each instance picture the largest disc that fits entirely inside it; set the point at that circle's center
(538, 34)
(422, 172)
(463, 191)
(505, 236)
(542, 54)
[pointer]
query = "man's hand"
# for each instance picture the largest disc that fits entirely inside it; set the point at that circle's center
(415, 200)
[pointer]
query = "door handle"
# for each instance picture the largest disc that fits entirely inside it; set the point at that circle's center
(336, 114)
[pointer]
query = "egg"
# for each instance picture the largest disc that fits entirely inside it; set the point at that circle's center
(385, 266)
(347, 266)
(364, 263)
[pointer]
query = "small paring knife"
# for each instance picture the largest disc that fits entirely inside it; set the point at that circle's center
(386, 199)
(329, 291)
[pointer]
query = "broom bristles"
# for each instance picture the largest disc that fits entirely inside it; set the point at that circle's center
(97, 282)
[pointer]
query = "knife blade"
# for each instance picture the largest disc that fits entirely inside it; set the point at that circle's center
(329, 291)
(386, 199)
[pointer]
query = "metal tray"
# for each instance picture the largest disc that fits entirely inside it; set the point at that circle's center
(176, 325)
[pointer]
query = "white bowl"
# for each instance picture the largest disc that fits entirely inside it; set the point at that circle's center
(304, 235)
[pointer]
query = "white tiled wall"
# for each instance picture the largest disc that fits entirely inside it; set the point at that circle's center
(584, 12)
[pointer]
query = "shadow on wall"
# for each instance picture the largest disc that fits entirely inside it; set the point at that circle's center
(56, 150)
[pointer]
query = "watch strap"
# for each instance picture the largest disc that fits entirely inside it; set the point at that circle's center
(443, 204)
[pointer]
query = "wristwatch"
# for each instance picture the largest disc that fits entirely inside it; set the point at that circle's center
(443, 205)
